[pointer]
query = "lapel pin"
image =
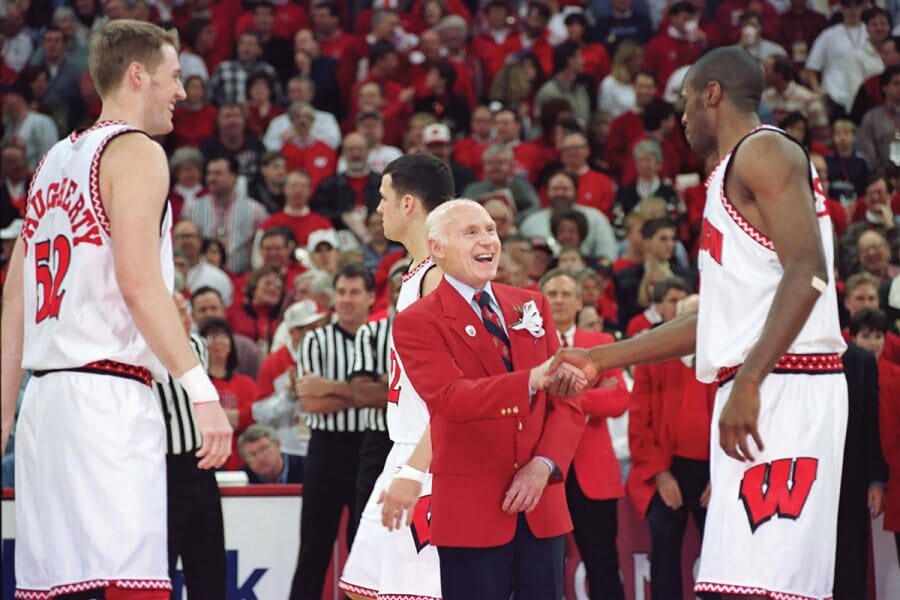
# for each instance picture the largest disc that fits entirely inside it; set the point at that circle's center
(470, 329)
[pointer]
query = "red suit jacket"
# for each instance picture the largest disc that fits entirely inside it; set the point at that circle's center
(889, 424)
(670, 415)
(484, 424)
(596, 465)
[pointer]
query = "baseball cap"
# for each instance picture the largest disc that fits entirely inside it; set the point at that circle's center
(301, 314)
(436, 133)
(12, 231)
(321, 236)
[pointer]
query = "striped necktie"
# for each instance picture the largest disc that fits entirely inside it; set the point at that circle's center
(495, 328)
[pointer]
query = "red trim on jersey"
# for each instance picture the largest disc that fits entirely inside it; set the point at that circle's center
(122, 369)
(722, 588)
(85, 586)
(99, 124)
(405, 597)
(755, 234)
(794, 363)
(94, 192)
(425, 263)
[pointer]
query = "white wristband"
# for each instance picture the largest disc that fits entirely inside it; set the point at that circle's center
(408, 472)
(198, 386)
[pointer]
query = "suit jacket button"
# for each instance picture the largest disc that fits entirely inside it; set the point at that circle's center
(515, 465)
(520, 426)
(503, 411)
(515, 410)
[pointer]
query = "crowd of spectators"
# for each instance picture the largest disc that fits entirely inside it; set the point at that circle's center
(560, 116)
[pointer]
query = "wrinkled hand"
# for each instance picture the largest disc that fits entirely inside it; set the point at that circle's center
(876, 499)
(669, 490)
(402, 495)
(216, 434)
(527, 487)
(565, 381)
(704, 497)
(739, 420)
(312, 385)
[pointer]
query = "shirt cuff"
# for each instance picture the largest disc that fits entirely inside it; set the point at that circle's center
(555, 473)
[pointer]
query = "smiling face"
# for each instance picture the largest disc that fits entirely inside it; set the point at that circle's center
(470, 250)
(165, 90)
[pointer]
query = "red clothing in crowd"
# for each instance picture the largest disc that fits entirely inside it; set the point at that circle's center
(664, 54)
(468, 152)
(301, 226)
(258, 123)
(626, 127)
(289, 18)
(464, 87)
(889, 423)
(316, 158)
(597, 191)
(493, 54)
(273, 366)
(891, 351)
(528, 160)
(193, 125)
(670, 415)
(623, 263)
(256, 322)
(595, 462)
(239, 393)
(637, 324)
(859, 209)
(335, 46)
(728, 16)
(596, 61)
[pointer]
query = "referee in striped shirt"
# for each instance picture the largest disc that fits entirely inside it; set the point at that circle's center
(196, 531)
(337, 428)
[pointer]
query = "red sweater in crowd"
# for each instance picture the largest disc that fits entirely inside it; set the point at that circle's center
(238, 392)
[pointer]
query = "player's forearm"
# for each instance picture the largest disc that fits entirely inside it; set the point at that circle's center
(674, 339)
(11, 338)
(794, 300)
(421, 457)
(368, 393)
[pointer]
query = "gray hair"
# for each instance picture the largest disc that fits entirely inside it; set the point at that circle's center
(436, 221)
(501, 150)
(298, 108)
(321, 283)
(183, 155)
(648, 147)
(256, 432)
(452, 22)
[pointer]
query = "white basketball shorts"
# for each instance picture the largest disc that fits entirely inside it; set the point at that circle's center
(394, 564)
(772, 524)
(90, 486)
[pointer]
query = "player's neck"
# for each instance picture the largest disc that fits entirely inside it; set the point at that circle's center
(416, 242)
(732, 130)
(119, 109)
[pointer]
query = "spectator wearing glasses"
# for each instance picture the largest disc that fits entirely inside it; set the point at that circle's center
(260, 448)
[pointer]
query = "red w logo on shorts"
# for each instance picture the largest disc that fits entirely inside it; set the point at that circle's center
(780, 487)
(421, 525)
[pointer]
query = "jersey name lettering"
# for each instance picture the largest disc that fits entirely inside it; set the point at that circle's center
(711, 240)
(63, 194)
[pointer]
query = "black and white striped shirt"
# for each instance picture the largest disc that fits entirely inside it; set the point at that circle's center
(182, 432)
(328, 352)
(372, 361)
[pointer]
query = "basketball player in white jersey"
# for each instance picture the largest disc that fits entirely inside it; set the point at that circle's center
(88, 308)
(391, 555)
(767, 330)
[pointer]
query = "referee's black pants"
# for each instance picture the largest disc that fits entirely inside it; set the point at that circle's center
(375, 448)
(329, 485)
(196, 532)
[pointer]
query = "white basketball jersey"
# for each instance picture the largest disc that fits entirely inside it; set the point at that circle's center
(74, 311)
(739, 274)
(407, 414)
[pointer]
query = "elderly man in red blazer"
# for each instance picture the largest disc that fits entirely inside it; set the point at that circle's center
(594, 482)
(477, 353)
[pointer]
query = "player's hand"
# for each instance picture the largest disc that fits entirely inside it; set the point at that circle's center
(739, 420)
(216, 433)
(669, 490)
(876, 499)
(578, 358)
(566, 381)
(704, 497)
(401, 496)
(527, 487)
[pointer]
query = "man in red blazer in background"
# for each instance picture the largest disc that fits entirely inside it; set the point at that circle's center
(594, 482)
(477, 353)
(668, 435)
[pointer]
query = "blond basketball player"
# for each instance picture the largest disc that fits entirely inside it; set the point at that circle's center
(88, 308)
(767, 331)
(392, 556)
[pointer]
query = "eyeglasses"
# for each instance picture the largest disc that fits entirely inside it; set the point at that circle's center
(258, 452)
(217, 337)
